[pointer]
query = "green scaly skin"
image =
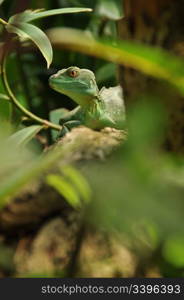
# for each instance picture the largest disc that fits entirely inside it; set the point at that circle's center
(93, 110)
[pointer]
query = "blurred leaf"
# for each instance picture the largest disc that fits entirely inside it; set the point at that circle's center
(79, 181)
(107, 71)
(23, 136)
(65, 188)
(72, 186)
(150, 113)
(54, 116)
(131, 188)
(30, 15)
(151, 61)
(1, 1)
(110, 9)
(38, 37)
(173, 251)
(28, 169)
(5, 109)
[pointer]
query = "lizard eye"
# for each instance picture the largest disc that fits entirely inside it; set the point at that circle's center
(73, 73)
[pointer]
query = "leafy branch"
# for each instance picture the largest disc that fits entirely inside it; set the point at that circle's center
(15, 102)
(18, 24)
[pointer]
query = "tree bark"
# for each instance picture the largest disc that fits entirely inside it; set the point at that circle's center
(157, 23)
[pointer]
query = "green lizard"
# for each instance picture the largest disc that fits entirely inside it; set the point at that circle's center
(96, 109)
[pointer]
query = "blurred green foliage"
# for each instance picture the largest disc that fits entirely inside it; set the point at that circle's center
(139, 190)
(71, 185)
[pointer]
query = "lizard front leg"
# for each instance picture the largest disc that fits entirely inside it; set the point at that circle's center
(70, 120)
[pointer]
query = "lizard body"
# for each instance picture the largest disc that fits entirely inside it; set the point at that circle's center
(96, 109)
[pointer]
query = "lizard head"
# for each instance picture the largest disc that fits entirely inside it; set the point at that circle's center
(78, 84)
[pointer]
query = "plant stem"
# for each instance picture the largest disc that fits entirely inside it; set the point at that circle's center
(3, 22)
(14, 100)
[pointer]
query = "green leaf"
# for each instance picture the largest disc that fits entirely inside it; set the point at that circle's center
(106, 72)
(173, 251)
(29, 171)
(151, 61)
(30, 15)
(59, 11)
(72, 186)
(65, 189)
(1, 1)
(79, 181)
(35, 34)
(23, 136)
(54, 116)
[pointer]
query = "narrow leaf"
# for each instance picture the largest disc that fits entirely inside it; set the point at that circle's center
(32, 170)
(59, 11)
(23, 136)
(35, 34)
(56, 114)
(65, 189)
(79, 181)
(151, 61)
(30, 15)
